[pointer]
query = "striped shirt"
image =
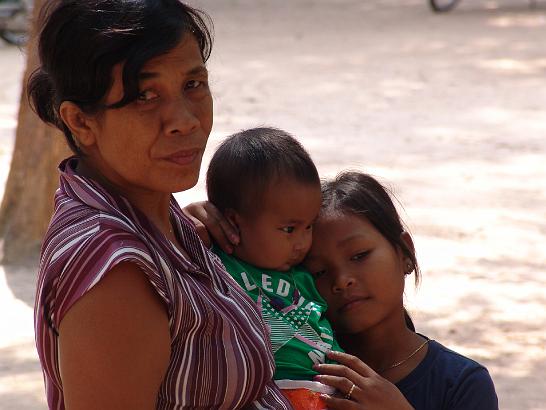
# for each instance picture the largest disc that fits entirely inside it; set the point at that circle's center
(220, 354)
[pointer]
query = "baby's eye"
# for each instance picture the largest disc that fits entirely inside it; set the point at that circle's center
(360, 255)
(147, 96)
(288, 229)
(317, 274)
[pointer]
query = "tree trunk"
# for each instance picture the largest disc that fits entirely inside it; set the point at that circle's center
(28, 198)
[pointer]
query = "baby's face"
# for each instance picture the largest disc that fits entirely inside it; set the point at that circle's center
(279, 234)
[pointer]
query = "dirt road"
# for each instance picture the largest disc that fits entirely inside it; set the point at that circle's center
(448, 110)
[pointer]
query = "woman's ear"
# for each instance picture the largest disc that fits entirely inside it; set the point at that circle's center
(80, 124)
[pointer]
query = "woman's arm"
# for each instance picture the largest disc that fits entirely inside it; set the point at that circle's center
(370, 391)
(209, 222)
(114, 344)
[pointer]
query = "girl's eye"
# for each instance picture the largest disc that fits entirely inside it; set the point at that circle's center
(146, 96)
(288, 229)
(360, 256)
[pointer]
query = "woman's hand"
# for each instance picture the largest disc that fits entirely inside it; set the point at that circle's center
(370, 391)
(210, 222)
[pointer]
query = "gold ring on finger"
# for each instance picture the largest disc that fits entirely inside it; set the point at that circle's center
(348, 395)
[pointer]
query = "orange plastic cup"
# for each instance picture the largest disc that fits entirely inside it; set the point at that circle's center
(303, 394)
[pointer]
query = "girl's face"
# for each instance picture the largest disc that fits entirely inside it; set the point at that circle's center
(357, 271)
(155, 144)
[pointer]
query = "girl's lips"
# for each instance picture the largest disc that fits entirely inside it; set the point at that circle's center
(183, 157)
(352, 304)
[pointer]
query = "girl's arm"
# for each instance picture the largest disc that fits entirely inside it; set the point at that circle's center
(370, 391)
(474, 391)
(114, 344)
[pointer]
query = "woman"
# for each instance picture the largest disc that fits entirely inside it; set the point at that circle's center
(360, 257)
(132, 311)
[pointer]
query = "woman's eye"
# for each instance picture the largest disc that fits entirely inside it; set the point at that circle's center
(360, 255)
(288, 229)
(146, 96)
(193, 84)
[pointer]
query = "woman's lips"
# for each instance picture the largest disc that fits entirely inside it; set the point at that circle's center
(183, 157)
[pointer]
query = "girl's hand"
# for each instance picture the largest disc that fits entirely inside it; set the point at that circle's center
(370, 391)
(210, 222)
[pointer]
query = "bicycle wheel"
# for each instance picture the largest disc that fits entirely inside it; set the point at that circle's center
(15, 23)
(16, 38)
(441, 6)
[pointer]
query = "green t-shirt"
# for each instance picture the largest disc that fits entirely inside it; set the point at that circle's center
(293, 310)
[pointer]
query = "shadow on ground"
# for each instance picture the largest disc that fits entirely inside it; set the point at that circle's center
(510, 346)
(21, 280)
(21, 384)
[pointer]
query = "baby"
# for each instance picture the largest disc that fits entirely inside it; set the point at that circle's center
(267, 186)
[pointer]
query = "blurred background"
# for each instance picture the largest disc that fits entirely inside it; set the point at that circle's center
(447, 109)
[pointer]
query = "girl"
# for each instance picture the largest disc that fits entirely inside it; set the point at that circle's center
(360, 257)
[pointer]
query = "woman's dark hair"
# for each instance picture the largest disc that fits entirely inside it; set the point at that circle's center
(81, 40)
(362, 195)
(247, 163)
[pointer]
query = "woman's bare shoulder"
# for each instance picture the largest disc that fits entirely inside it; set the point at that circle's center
(114, 343)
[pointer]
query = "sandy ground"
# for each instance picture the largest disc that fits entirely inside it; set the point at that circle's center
(450, 111)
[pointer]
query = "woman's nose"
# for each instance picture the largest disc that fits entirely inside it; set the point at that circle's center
(179, 118)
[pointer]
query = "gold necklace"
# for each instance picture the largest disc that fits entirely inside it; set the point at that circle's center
(392, 366)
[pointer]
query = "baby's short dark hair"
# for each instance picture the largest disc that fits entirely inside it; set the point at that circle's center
(248, 162)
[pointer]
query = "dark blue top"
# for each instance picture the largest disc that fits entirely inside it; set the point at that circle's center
(446, 380)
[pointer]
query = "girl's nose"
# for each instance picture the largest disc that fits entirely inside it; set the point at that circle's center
(342, 282)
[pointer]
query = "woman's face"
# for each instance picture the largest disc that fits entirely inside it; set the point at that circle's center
(156, 143)
(357, 271)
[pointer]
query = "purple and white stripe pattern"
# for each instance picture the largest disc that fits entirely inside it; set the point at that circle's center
(221, 356)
